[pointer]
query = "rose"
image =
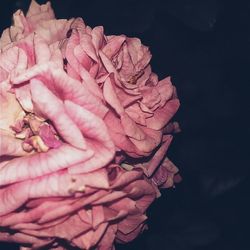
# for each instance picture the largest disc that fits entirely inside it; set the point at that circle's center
(120, 67)
(72, 110)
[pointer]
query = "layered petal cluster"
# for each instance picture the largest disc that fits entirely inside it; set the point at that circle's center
(116, 69)
(84, 130)
(107, 204)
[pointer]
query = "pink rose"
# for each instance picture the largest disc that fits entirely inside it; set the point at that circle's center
(76, 108)
(116, 69)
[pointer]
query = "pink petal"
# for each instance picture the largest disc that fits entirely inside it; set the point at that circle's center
(90, 83)
(151, 166)
(86, 43)
(10, 146)
(34, 226)
(26, 217)
(128, 69)
(108, 64)
(84, 240)
(109, 198)
(42, 51)
(163, 115)
(99, 140)
(13, 197)
(139, 53)
(97, 37)
(37, 13)
(52, 108)
(23, 238)
(131, 223)
(67, 209)
(22, 62)
(21, 22)
(5, 39)
(97, 215)
(111, 97)
(143, 192)
(124, 238)
(27, 45)
(8, 59)
(164, 175)
(64, 86)
(108, 238)
(85, 215)
(119, 137)
(125, 204)
(165, 89)
(126, 178)
(84, 60)
(143, 138)
(98, 233)
(23, 95)
(39, 164)
(48, 136)
(113, 46)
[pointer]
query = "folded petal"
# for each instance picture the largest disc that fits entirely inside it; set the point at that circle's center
(39, 164)
(52, 108)
(63, 86)
(113, 46)
(96, 134)
(163, 115)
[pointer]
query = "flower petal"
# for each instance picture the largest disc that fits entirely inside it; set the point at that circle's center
(39, 164)
(52, 108)
(163, 115)
(97, 136)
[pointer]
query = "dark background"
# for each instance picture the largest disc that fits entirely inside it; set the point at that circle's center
(205, 46)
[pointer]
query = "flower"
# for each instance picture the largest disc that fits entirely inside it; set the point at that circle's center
(78, 108)
(116, 69)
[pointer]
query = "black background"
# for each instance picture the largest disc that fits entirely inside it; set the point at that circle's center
(205, 46)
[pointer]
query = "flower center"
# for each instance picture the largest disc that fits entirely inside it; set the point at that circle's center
(36, 133)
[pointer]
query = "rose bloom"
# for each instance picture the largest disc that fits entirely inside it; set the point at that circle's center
(84, 130)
